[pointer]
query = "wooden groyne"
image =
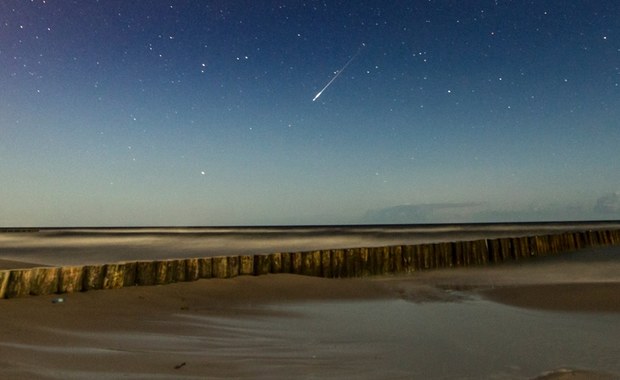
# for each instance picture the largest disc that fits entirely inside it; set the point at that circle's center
(331, 263)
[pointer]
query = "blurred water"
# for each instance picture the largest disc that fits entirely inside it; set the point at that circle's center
(102, 245)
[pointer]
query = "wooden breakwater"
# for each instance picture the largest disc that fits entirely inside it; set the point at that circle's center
(331, 263)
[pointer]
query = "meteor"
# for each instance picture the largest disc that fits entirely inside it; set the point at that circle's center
(338, 73)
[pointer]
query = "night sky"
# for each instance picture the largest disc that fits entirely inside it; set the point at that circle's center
(129, 113)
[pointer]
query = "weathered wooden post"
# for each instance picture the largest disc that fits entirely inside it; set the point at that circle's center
(338, 265)
(351, 262)
(408, 259)
(275, 262)
(146, 273)
(71, 279)
(262, 265)
(192, 271)
(285, 257)
(114, 276)
(220, 267)
(18, 284)
(444, 255)
(177, 267)
(364, 262)
(4, 280)
(458, 256)
(437, 257)
(615, 235)
(483, 251)
(426, 250)
(494, 250)
(396, 256)
(377, 260)
(533, 243)
(233, 266)
(131, 273)
(205, 267)
(296, 262)
(93, 277)
(246, 265)
(326, 263)
(593, 239)
(603, 237)
(44, 280)
(311, 263)
(163, 272)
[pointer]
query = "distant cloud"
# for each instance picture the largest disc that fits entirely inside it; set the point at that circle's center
(420, 213)
(472, 212)
(608, 204)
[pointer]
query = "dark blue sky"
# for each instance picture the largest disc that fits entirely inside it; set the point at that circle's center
(201, 113)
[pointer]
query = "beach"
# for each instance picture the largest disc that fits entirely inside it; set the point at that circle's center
(550, 317)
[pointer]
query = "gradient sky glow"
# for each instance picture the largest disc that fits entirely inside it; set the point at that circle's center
(125, 113)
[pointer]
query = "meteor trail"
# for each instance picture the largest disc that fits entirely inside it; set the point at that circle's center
(337, 74)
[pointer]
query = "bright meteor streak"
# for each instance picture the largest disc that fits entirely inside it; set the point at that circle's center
(337, 74)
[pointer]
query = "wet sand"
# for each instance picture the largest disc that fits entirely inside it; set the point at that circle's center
(548, 318)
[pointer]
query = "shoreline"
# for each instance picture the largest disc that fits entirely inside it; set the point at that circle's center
(329, 263)
(279, 325)
(517, 319)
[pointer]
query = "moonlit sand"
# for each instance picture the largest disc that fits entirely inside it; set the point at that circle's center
(552, 317)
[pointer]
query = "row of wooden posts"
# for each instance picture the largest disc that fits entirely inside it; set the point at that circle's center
(332, 263)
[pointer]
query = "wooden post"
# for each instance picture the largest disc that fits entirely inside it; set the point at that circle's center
(351, 262)
(408, 259)
(396, 253)
(4, 280)
(326, 264)
(615, 236)
(131, 272)
(162, 275)
(494, 250)
(18, 283)
(44, 280)
(386, 260)
(458, 256)
(179, 270)
(192, 271)
(114, 276)
(440, 260)
(146, 273)
(482, 250)
(377, 260)
(220, 267)
(275, 261)
(233, 266)
(296, 262)
(71, 279)
(311, 263)
(285, 257)
(262, 265)
(246, 265)
(603, 237)
(364, 258)
(426, 253)
(338, 265)
(205, 267)
(93, 277)
(533, 245)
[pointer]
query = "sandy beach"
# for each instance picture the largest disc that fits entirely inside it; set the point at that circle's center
(550, 318)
